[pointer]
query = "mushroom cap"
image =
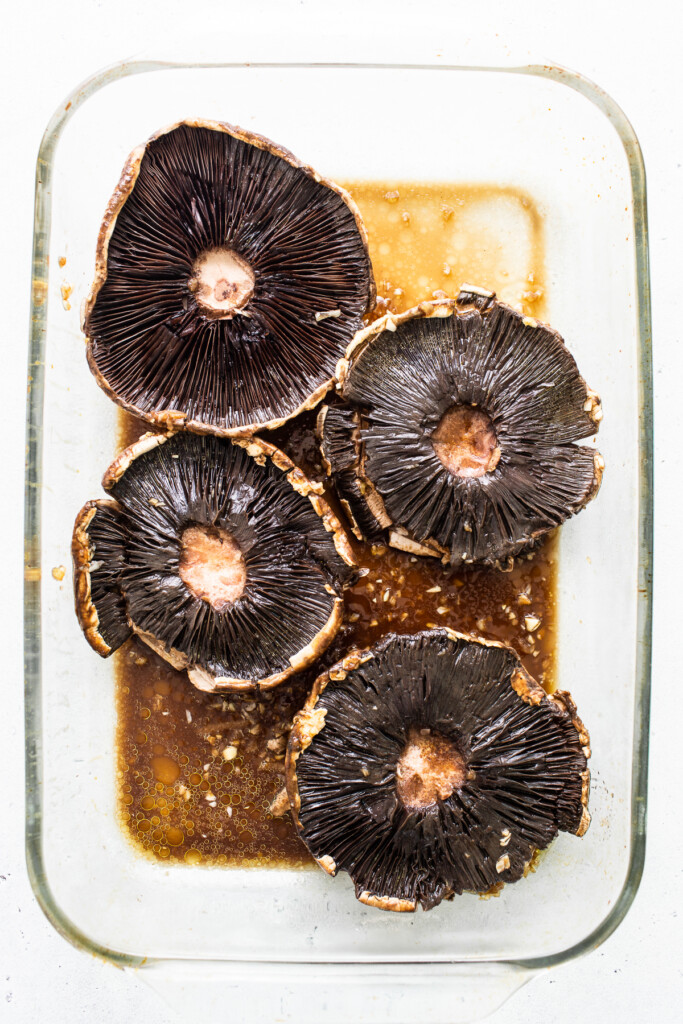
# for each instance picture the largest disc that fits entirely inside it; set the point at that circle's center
(467, 420)
(97, 550)
(199, 200)
(259, 596)
(417, 825)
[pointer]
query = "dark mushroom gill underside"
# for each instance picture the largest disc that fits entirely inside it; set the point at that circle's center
(513, 769)
(226, 567)
(512, 390)
(337, 429)
(224, 260)
(98, 551)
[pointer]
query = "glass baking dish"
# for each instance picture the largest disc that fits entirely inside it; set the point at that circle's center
(296, 944)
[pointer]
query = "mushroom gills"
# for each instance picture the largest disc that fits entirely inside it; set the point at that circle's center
(98, 552)
(433, 764)
(230, 279)
(231, 564)
(469, 419)
(338, 432)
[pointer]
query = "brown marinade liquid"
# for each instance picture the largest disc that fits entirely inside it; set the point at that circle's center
(197, 771)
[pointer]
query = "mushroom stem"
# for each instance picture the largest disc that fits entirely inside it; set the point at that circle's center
(212, 565)
(222, 283)
(465, 442)
(430, 768)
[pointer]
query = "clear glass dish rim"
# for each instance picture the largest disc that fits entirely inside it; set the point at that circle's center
(33, 479)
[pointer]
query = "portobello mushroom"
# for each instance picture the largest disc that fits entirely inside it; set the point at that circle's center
(230, 278)
(431, 765)
(464, 429)
(229, 562)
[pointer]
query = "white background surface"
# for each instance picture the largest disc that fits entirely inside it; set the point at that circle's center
(632, 51)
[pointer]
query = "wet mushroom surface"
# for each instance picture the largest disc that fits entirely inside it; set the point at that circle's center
(98, 552)
(230, 279)
(464, 430)
(229, 562)
(433, 764)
